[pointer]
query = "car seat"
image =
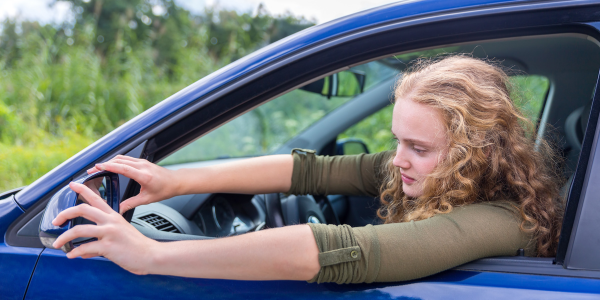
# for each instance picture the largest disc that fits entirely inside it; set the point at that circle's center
(574, 130)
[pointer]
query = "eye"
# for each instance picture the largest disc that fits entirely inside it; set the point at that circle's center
(419, 150)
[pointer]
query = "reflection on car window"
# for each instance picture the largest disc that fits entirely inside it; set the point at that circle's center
(266, 128)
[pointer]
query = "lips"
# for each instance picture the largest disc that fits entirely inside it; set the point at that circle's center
(407, 179)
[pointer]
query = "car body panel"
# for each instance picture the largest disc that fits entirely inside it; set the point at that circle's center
(16, 263)
(58, 277)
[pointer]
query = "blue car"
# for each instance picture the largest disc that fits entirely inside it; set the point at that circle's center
(313, 90)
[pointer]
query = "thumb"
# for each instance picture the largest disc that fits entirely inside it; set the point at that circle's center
(131, 203)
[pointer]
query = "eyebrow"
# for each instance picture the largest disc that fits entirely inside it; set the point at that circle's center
(414, 141)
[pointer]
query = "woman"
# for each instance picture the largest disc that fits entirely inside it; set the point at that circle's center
(465, 182)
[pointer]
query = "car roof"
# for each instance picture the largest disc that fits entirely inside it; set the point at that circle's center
(389, 13)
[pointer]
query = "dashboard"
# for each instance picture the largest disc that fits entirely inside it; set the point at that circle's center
(207, 215)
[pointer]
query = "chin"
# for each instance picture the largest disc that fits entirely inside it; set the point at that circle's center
(411, 191)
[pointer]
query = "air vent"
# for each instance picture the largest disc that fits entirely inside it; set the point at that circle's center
(159, 223)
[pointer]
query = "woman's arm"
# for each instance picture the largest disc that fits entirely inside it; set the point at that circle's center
(287, 253)
(284, 253)
(267, 174)
(259, 175)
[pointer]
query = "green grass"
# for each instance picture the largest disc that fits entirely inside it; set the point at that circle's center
(22, 164)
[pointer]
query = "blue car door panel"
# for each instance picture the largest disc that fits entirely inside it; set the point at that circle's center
(57, 277)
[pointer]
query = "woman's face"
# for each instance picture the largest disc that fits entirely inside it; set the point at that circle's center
(422, 142)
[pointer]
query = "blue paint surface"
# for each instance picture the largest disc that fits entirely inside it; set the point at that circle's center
(57, 277)
(9, 211)
(284, 47)
(16, 266)
(16, 263)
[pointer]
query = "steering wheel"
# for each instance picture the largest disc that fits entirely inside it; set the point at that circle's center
(298, 210)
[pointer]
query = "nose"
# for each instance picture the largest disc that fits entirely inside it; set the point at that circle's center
(400, 160)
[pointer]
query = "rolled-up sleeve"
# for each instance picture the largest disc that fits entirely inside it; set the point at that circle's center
(411, 250)
(331, 175)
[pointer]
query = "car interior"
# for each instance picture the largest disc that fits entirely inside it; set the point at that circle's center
(567, 63)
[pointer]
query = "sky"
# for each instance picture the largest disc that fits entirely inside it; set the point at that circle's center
(320, 11)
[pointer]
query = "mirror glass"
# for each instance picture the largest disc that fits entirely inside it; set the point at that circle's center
(101, 187)
(351, 148)
(342, 84)
(350, 84)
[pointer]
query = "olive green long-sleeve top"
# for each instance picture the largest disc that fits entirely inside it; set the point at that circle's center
(399, 251)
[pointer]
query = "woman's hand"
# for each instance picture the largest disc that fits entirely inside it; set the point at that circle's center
(157, 183)
(117, 239)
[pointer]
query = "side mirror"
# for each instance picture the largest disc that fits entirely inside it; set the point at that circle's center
(105, 184)
(350, 147)
(342, 84)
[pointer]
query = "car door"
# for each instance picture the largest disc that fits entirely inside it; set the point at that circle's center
(58, 277)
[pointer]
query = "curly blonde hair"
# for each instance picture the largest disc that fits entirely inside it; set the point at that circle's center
(492, 155)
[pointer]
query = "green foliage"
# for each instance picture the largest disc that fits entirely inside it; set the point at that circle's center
(62, 86)
(22, 164)
(374, 131)
(529, 93)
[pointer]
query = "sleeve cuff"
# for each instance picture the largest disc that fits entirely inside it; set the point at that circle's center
(299, 172)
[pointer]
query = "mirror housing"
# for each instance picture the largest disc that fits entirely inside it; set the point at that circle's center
(342, 84)
(351, 147)
(65, 198)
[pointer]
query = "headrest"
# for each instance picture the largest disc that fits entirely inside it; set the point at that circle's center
(573, 131)
(575, 126)
(585, 116)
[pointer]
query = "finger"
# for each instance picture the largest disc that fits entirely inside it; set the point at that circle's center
(95, 169)
(129, 158)
(77, 232)
(131, 203)
(136, 164)
(83, 210)
(90, 197)
(125, 170)
(92, 170)
(86, 250)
